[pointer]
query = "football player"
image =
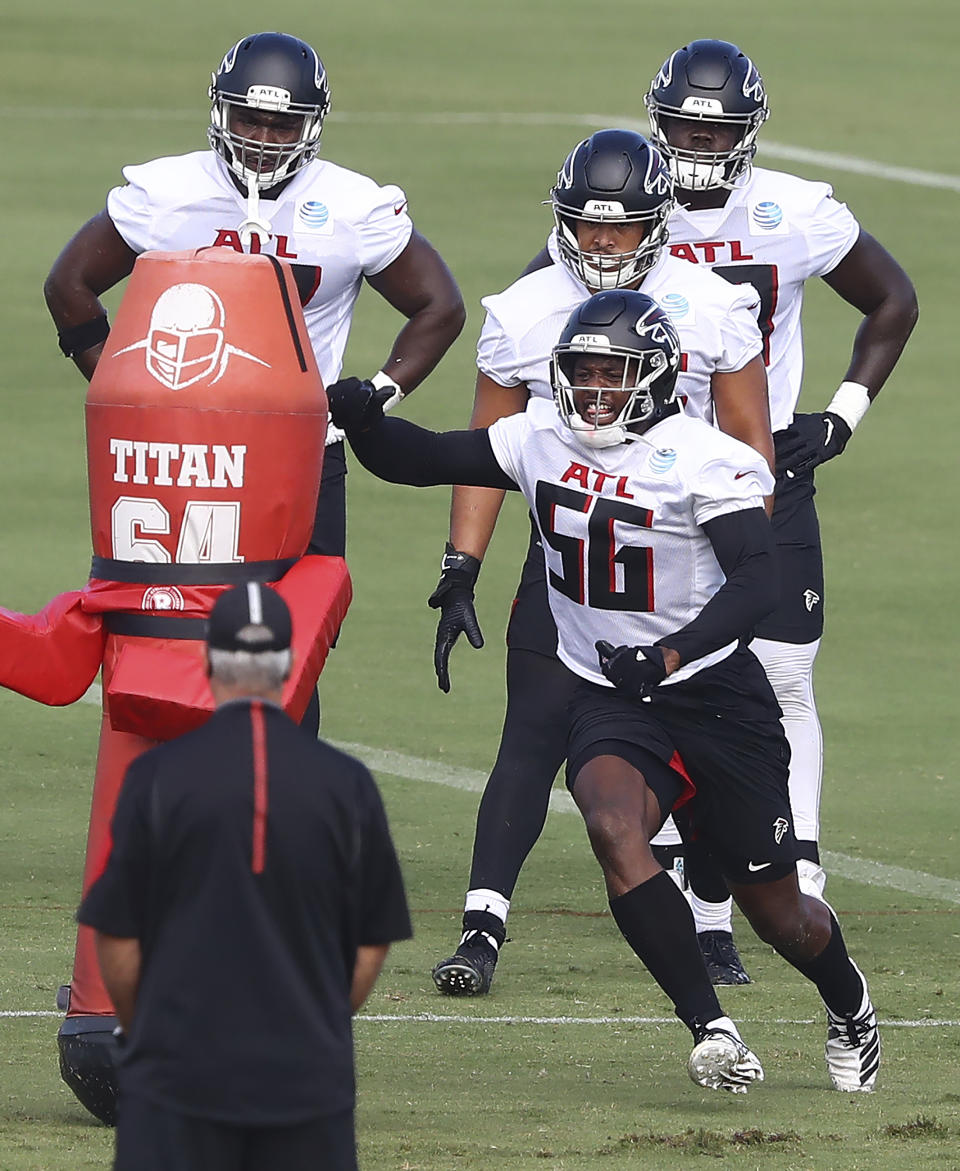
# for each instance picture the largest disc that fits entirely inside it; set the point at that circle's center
(261, 188)
(706, 106)
(775, 231)
(611, 203)
(659, 557)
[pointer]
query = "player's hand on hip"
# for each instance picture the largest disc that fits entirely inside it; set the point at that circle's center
(453, 597)
(356, 404)
(634, 670)
(809, 441)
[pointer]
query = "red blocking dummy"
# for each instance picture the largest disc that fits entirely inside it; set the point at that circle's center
(206, 420)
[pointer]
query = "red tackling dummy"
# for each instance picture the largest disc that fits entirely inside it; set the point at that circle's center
(206, 421)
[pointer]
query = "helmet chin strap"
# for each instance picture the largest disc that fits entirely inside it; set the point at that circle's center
(254, 224)
(599, 437)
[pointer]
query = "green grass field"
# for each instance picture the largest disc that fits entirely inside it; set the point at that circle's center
(572, 1062)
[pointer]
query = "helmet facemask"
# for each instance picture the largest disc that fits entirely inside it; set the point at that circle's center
(641, 369)
(617, 270)
(695, 170)
(263, 164)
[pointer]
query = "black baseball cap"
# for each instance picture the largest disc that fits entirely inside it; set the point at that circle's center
(250, 617)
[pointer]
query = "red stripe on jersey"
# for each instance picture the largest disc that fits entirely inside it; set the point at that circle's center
(259, 731)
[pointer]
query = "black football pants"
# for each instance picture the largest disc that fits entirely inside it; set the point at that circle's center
(153, 1138)
(533, 747)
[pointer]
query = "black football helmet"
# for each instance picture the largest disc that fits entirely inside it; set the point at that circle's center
(276, 72)
(708, 81)
(614, 175)
(621, 323)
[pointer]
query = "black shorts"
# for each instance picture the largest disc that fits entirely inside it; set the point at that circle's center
(725, 724)
(531, 626)
(330, 524)
(798, 617)
(154, 1138)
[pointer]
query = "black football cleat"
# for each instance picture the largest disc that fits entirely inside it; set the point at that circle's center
(469, 971)
(720, 954)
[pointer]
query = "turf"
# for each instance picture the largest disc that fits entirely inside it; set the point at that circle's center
(86, 90)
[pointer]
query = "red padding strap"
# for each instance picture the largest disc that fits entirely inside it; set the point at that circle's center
(157, 688)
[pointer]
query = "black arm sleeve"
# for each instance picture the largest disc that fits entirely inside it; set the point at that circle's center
(403, 453)
(744, 545)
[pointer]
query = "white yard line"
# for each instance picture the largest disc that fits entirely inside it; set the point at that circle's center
(435, 1018)
(851, 164)
(412, 768)
(433, 772)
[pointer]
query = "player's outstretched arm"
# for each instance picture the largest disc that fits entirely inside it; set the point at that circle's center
(94, 260)
(400, 452)
(420, 286)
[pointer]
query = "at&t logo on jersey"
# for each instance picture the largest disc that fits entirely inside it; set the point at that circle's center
(676, 306)
(662, 460)
(768, 215)
(314, 216)
(185, 341)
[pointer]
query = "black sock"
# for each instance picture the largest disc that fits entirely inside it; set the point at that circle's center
(487, 923)
(656, 921)
(704, 876)
(835, 976)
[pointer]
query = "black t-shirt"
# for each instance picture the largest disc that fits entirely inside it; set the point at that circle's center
(251, 861)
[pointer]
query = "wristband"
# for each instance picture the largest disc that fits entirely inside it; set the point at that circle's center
(77, 338)
(384, 382)
(850, 403)
(454, 559)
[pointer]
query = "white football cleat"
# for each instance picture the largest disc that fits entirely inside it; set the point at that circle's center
(721, 1061)
(853, 1047)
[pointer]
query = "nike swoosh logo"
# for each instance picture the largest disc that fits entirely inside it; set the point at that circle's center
(829, 423)
(398, 210)
(740, 475)
(758, 865)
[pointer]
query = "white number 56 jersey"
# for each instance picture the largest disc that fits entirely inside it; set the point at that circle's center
(627, 559)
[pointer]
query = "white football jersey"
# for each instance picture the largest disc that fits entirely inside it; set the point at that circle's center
(339, 225)
(627, 558)
(775, 232)
(716, 321)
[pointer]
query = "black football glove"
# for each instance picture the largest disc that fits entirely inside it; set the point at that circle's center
(454, 599)
(635, 670)
(356, 404)
(809, 441)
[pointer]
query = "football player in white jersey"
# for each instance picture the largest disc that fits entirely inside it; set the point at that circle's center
(775, 230)
(611, 201)
(656, 539)
(261, 188)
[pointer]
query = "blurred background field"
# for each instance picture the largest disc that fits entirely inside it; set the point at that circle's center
(472, 108)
